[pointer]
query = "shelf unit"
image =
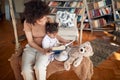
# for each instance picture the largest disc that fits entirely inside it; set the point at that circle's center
(100, 14)
(116, 10)
(75, 6)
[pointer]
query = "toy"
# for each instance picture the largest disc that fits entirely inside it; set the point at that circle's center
(76, 55)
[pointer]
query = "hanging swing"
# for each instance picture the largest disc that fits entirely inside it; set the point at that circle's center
(15, 60)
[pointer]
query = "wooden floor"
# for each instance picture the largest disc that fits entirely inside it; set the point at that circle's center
(107, 70)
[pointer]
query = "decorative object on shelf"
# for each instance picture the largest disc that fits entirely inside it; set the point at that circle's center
(72, 6)
(65, 19)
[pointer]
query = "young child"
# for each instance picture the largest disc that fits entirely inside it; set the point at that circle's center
(50, 41)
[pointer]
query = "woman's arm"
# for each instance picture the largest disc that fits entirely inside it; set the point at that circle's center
(62, 40)
(34, 45)
(30, 40)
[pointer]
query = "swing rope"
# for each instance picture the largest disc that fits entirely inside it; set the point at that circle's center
(14, 25)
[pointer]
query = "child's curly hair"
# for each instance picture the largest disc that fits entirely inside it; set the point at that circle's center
(34, 10)
(51, 27)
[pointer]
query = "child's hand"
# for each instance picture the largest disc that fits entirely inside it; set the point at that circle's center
(60, 44)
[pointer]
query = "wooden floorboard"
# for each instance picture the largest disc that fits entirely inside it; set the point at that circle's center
(107, 70)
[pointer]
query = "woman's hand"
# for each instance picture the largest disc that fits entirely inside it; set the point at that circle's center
(47, 50)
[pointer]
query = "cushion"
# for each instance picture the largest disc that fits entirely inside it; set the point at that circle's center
(65, 19)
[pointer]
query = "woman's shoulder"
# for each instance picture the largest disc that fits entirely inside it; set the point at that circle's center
(50, 19)
(27, 26)
(26, 23)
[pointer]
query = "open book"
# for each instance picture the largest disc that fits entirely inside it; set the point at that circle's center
(58, 49)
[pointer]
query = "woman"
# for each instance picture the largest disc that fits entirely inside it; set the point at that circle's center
(34, 55)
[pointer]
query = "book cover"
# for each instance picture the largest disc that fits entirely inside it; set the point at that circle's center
(74, 4)
(95, 5)
(108, 2)
(61, 47)
(78, 5)
(67, 4)
(61, 4)
(53, 3)
(118, 5)
(72, 10)
(90, 5)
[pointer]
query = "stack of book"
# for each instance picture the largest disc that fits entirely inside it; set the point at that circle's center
(117, 4)
(99, 4)
(99, 22)
(100, 12)
(66, 4)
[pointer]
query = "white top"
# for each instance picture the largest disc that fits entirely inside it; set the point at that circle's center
(49, 42)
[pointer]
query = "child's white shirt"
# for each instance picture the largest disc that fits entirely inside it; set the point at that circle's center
(49, 42)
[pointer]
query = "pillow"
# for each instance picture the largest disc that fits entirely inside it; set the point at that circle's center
(65, 19)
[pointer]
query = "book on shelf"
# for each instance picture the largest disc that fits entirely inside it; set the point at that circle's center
(117, 4)
(80, 18)
(67, 4)
(95, 24)
(61, 3)
(108, 10)
(95, 5)
(73, 4)
(72, 10)
(108, 2)
(90, 6)
(54, 10)
(104, 11)
(77, 11)
(101, 12)
(99, 22)
(101, 4)
(53, 3)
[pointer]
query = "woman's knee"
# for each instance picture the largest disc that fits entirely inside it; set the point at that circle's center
(26, 70)
(40, 67)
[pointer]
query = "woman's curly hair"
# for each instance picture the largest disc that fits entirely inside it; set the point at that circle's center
(34, 10)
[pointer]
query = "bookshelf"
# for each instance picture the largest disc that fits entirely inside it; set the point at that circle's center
(100, 14)
(72, 6)
(116, 10)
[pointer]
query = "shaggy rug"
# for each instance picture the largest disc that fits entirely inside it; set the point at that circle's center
(102, 50)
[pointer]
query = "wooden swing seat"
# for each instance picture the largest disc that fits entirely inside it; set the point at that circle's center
(84, 71)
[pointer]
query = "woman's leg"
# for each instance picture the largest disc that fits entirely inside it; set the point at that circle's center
(40, 67)
(28, 60)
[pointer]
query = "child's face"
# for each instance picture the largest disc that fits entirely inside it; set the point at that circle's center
(52, 35)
